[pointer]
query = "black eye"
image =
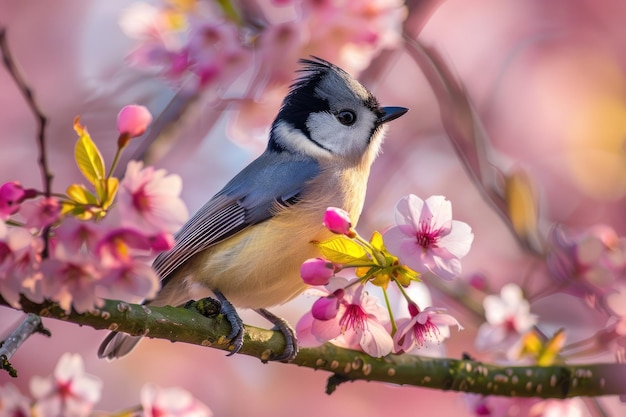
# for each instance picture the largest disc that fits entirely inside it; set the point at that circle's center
(346, 117)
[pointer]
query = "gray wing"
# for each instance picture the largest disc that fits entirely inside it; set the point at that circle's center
(246, 200)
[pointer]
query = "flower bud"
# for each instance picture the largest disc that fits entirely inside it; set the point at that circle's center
(133, 120)
(338, 221)
(317, 271)
(11, 196)
(325, 308)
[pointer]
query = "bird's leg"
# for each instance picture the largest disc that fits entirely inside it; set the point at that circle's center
(236, 324)
(280, 324)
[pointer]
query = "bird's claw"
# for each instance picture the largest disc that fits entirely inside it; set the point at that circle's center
(291, 342)
(236, 324)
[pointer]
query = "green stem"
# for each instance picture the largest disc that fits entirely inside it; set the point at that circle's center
(394, 328)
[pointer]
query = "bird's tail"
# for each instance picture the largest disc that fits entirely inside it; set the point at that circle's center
(117, 345)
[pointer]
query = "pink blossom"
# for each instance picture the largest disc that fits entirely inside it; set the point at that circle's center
(13, 403)
(508, 317)
(77, 234)
(132, 281)
(69, 392)
(149, 200)
(11, 196)
(133, 120)
(426, 237)
(429, 324)
(20, 258)
(318, 271)
(171, 402)
(359, 322)
(70, 279)
(573, 407)
(120, 245)
(589, 262)
(338, 221)
(41, 213)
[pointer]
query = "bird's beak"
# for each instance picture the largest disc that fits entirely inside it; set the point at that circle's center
(391, 113)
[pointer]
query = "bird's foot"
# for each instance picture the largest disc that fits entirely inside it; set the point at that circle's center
(210, 307)
(291, 342)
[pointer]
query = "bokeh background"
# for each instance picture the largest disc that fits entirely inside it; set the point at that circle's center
(546, 79)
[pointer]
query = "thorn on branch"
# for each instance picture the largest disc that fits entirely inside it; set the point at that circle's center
(334, 381)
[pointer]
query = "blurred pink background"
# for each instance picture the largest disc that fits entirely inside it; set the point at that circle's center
(547, 79)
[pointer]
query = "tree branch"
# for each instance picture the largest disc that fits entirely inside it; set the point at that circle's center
(13, 69)
(189, 326)
(28, 327)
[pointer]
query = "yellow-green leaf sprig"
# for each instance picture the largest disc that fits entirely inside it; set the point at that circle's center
(372, 261)
(81, 202)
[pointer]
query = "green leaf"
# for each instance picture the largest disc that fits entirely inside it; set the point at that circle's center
(111, 191)
(343, 251)
(377, 242)
(80, 194)
(87, 155)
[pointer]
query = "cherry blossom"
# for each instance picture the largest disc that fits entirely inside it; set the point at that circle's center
(11, 196)
(42, 212)
(69, 392)
(338, 221)
(318, 271)
(71, 279)
(13, 403)
(423, 325)
(508, 316)
(171, 402)
(426, 238)
(149, 200)
(133, 120)
(20, 257)
(354, 320)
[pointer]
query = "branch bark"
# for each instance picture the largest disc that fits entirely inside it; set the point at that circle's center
(189, 326)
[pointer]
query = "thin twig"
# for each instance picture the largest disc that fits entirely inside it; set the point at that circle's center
(12, 67)
(29, 326)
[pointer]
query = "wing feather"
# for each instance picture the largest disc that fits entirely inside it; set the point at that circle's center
(247, 199)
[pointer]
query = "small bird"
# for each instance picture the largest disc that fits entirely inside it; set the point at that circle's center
(246, 244)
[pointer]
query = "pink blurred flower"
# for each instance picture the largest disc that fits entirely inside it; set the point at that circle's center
(587, 263)
(133, 120)
(318, 271)
(429, 324)
(171, 402)
(20, 258)
(11, 196)
(42, 212)
(338, 221)
(359, 322)
(426, 237)
(69, 392)
(132, 281)
(13, 403)
(508, 317)
(77, 234)
(573, 407)
(149, 200)
(70, 279)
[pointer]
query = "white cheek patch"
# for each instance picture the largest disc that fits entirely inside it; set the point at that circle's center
(293, 139)
(339, 139)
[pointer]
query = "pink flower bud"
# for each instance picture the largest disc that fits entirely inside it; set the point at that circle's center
(162, 242)
(317, 271)
(133, 120)
(325, 308)
(11, 196)
(338, 221)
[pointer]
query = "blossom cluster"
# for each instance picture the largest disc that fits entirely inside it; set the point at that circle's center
(426, 240)
(48, 249)
(71, 392)
(207, 46)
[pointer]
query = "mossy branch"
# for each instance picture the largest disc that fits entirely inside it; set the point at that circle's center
(189, 326)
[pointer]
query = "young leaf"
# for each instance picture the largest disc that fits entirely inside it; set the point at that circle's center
(80, 194)
(87, 155)
(343, 251)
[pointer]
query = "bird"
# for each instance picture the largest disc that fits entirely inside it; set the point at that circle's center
(245, 246)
